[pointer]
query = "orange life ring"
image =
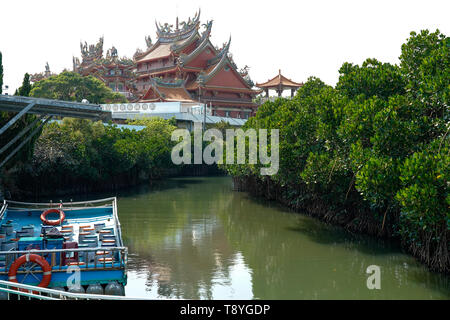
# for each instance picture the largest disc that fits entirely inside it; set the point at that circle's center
(44, 214)
(47, 270)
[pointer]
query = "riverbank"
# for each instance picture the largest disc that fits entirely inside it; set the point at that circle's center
(353, 218)
(36, 189)
(356, 219)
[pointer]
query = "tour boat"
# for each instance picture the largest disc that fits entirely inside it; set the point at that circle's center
(81, 252)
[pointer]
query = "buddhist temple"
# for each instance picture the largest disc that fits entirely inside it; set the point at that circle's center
(183, 65)
(117, 73)
(279, 83)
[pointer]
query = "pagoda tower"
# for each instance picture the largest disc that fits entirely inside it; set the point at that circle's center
(279, 83)
(183, 65)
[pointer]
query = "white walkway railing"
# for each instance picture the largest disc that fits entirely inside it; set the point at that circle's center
(13, 288)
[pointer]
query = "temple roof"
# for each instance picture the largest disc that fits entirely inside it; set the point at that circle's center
(196, 60)
(279, 81)
(164, 48)
(159, 50)
(203, 43)
(166, 92)
(215, 64)
(218, 63)
(180, 45)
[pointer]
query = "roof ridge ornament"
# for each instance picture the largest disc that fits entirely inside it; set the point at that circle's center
(197, 15)
(148, 41)
(92, 51)
(165, 32)
(208, 27)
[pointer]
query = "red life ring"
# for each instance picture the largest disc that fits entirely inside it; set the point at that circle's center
(44, 214)
(47, 270)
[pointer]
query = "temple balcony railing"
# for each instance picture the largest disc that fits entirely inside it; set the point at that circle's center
(118, 75)
(153, 70)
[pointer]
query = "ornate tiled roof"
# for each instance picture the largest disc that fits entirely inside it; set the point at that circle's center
(159, 50)
(173, 91)
(180, 45)
(197, 61)
(217, 63)
(203, 43)
(170, 40)
(222, 53)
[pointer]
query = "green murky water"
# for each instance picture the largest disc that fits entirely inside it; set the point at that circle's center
(194, 238)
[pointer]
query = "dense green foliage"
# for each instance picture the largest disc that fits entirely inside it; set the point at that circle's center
(373, 78)
(376, 144)
(71, 86)
(80, 153)
(25, 89)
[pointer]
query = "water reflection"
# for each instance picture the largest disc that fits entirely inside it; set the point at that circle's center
(196, 239)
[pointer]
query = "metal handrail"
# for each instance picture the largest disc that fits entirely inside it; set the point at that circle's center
(117, 222)
(36, 292)
(64, 250)
(54, 203)
(122, 261)
(64, 208)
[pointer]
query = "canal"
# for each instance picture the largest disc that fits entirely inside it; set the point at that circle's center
(194, 238)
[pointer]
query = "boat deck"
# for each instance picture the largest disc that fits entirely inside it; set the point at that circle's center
(91, 241)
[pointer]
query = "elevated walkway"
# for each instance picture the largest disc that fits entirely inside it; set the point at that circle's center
(185, 114)
(45, 109)
(55, 108)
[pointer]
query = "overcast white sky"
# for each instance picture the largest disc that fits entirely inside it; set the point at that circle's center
(302, 38)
